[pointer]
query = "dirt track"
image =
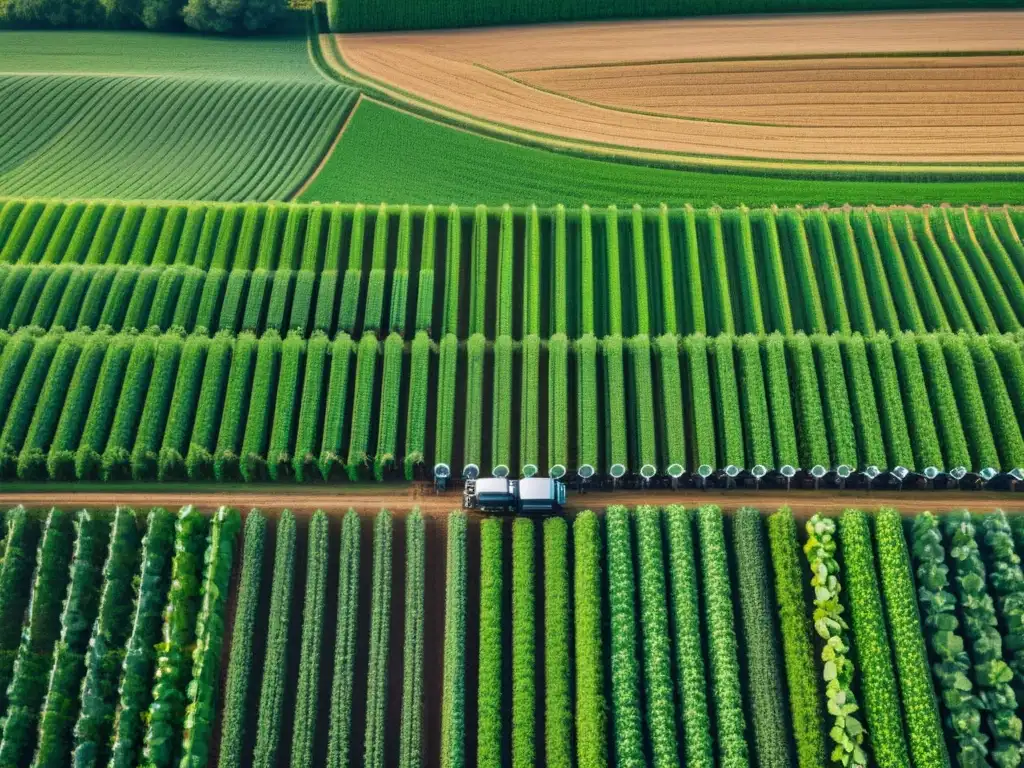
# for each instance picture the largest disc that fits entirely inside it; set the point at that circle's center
(400, 500)
(581, 82)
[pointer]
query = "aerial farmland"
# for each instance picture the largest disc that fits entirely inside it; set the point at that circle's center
(471, 384)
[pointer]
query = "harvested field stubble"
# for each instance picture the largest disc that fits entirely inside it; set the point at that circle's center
(667, 87)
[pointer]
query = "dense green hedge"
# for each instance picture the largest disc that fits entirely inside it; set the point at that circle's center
(375, 15)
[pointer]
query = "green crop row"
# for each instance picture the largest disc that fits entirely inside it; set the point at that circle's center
(380, 621)
(878, 679)
(797, 645)
(203, 690)
(657, 655)
(962, 705)
(558, 698)
(411, 736)
(231, 268)
(722, 646)
(627, 715)
(591, 706)
(524, 645)
(1007, 580)
(994, 676)
(233, 722)
(771, 742)
(165, 723)
(686, 667)
(847, 734)
(340, 730)
(38, 638)
(106, 650)
(920, 708)
(157, 406)
(693, 695)
(490, 725)
(453, 695)
(305, 715)
(140, 651)
(275, 660)
(56, 719)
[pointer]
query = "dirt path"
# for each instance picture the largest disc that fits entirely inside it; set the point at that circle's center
(403, 499)
(663, 86)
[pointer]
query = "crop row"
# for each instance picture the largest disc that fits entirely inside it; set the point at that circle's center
(146, 406)
(119, 650)
(646, 271)
(682, 635)
(177, 138)
(93, 680)
(674, 641)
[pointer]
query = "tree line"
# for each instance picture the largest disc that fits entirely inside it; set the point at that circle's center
(211, 16)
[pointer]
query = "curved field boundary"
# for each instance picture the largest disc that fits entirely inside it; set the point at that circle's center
(390, 153)
(174, 138)
(971, 93)
(311, 178)
(449, 74)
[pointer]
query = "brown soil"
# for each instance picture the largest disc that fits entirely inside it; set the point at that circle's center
(591, 82)
(400, 499)
(982, 94)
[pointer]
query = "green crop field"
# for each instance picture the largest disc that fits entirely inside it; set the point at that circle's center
(274, 341)
(236, 269)
(197, 118)
(387, 154)
(176, 138)
(268, 57)
(667, 636)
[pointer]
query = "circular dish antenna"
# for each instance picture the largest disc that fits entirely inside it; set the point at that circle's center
(442, 471)
(958, 473)
(557, 472)
(988, 473)
(471, 472)
(500, 471)
(732, 470)
(844, 470)
(931, 472)
(705, 470)
(529, 470)
(872, 471)
(787, 470)
(759, 471)
(586, 471)
(617, 471)
(674, 471)
(818, 471)
(647, 471)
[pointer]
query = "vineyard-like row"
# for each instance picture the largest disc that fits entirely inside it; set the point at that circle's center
(814, 645)
(668, 636)
(174, 137)
(118, 661)
(144, 406)
(515, 272)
